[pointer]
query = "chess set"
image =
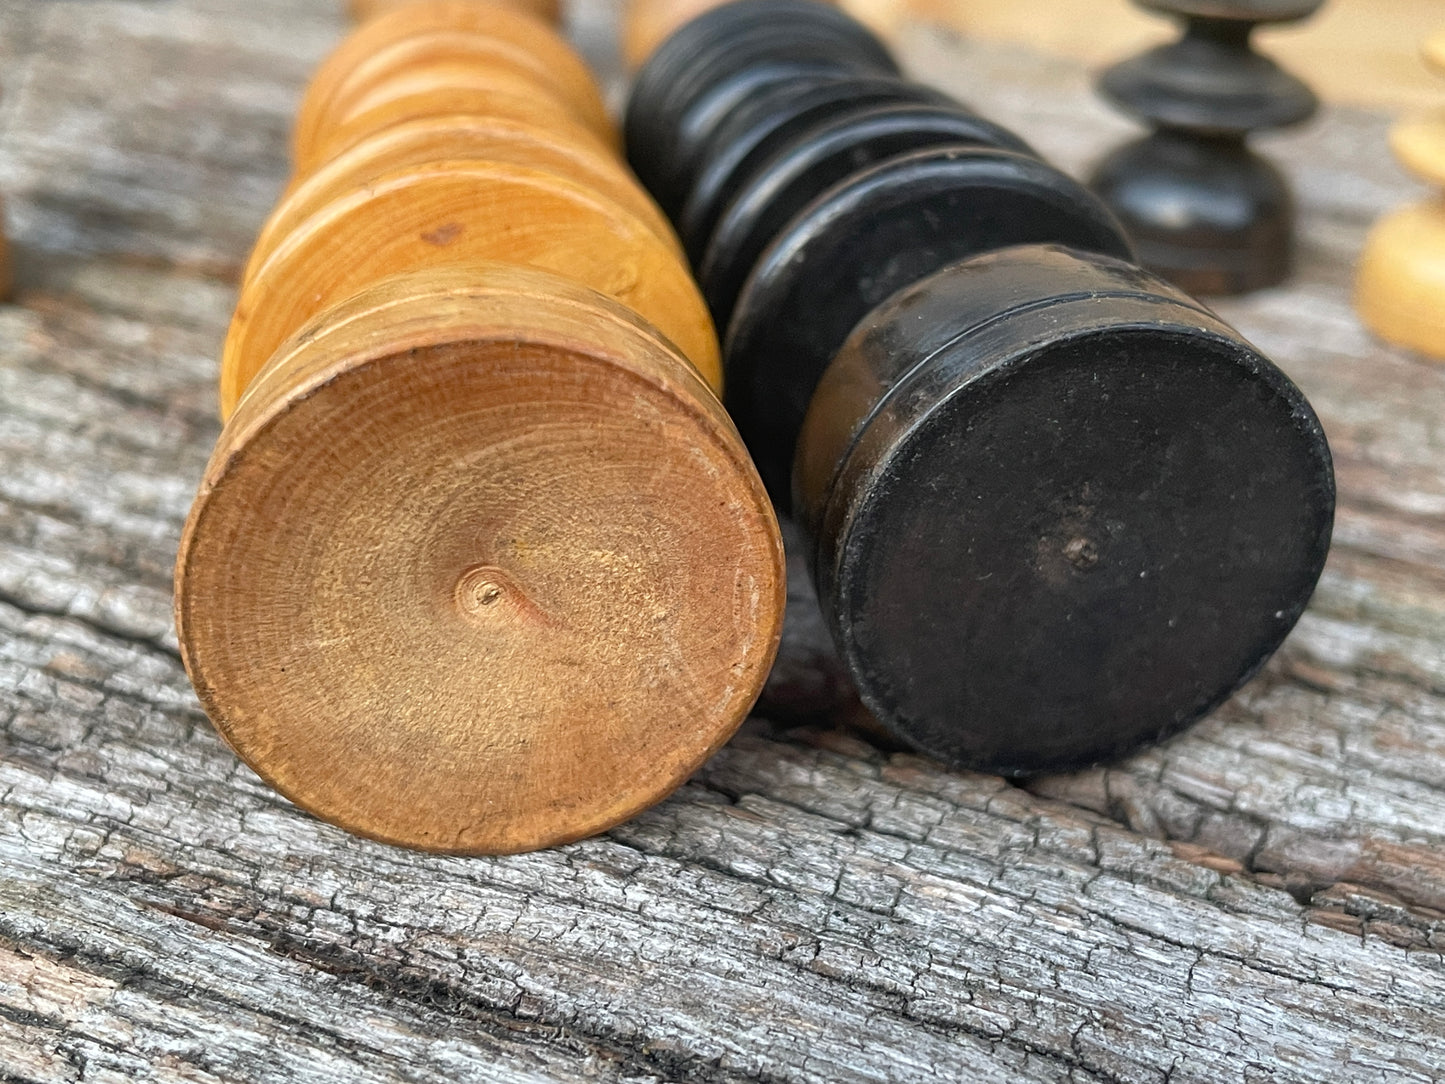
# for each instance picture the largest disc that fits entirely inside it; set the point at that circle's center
(487, 557)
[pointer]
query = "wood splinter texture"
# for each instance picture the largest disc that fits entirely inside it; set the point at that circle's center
(479, 563)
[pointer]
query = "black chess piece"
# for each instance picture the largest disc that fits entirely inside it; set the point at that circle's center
(1203, 209)
(1054, 507)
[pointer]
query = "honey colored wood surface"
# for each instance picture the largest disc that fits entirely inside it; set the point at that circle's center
(1261, 899)
(5, 273)
(448, 213)
(424, 80)
(550, 10)
(537, 583)
(1400, 292)
(647, 23)
(438, 100)
(459, 137)
(324, 106)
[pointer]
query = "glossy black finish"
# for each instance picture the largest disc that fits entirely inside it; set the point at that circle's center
(1054, 508)
(1061, 510)
(1204, 210)
(876, 232)
(1261, 11)
(1228, 211)
(771, 118)
(818, 158)
(1210, 83)
(708, 65)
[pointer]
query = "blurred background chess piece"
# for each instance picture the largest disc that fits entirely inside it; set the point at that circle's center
(1204, 209)
(1400, 288)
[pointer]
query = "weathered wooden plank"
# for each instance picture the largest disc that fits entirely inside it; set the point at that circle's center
(1264, 896)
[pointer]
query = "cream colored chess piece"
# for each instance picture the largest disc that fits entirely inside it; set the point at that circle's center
(1400, 290)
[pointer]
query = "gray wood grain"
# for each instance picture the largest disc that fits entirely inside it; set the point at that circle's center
(1261, 899)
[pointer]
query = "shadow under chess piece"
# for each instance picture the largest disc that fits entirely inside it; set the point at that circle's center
(1202, 208)
(1400, 290)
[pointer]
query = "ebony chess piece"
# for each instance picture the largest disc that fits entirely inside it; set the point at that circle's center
(1054, 507)
(715, 61)
(1203, 209)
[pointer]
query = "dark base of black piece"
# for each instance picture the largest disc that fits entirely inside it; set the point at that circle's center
(1058, 510)
(1209, 215)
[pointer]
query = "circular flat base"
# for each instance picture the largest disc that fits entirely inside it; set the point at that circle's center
(1070, 531)
(479, 565)
(1418, 143)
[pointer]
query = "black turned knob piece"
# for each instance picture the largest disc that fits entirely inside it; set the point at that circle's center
(828, 153)
(1058, 509)
(1202, 208)
(695, 77)
(1054, 508)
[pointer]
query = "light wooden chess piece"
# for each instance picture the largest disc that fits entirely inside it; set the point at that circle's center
(1400, 289)
(479, 563)
(362, 10)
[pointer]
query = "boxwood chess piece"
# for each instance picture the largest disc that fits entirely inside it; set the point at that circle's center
(1054, 508)
(479, 563)
(1203, 209)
